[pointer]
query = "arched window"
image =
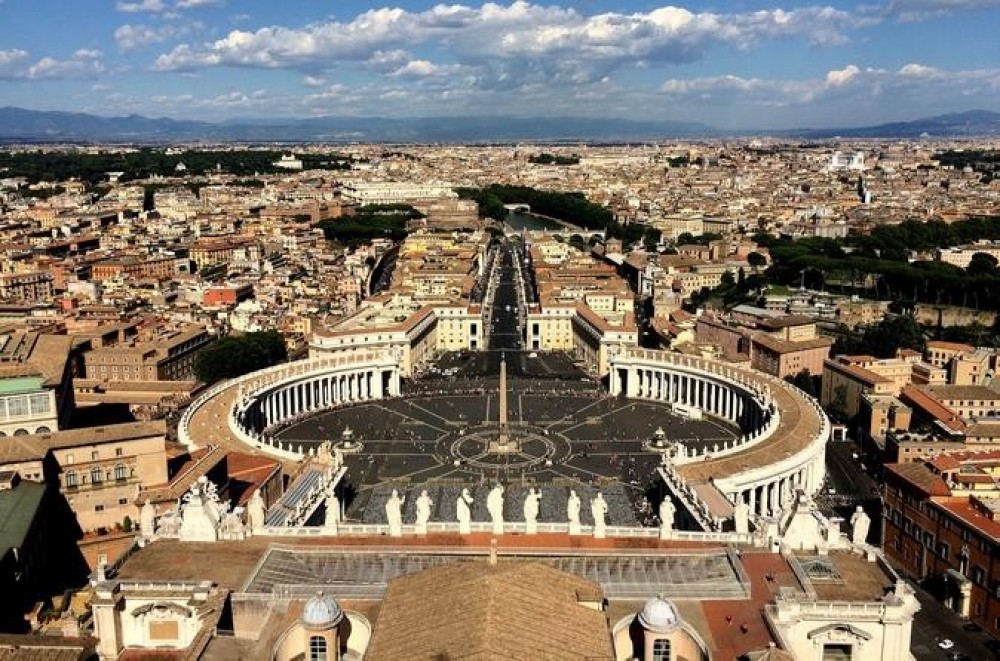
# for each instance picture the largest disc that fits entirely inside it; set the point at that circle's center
(317, 648)
(120, 473)
(21, 432)
(661, 650)
(96, 475)
(43, 430)
(71, 479)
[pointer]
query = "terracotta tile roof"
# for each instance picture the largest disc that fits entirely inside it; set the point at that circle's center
(921, 399)
(949, 346)
(920, 476)
(474, 610)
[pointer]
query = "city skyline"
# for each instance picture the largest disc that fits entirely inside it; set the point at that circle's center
(745, 64)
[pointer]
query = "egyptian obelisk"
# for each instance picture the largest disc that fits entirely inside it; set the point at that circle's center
(504, 443)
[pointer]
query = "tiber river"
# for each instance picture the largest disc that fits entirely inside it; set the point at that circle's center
(519, 221)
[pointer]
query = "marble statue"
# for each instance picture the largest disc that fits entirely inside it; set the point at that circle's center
(231, 526)
(531, 507)
(598, 509)
(463, 511)
(741, 516)
(573, 512)
(256, 514)
(667, 513)
(494, 505)
(394, 513)
(147, 518)
(424, 504)
(169, 525)
(202, 512)
(860, 522)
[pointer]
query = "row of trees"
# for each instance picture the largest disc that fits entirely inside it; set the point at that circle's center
(370, 222)
(546, 158)
(93, 168)
(236, 355)
(824, 264)
(892, 241)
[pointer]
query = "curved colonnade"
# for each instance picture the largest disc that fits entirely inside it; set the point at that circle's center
(242, 411)
(781, 451)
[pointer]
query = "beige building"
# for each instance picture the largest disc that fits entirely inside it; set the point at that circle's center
(168, 357)
(29, 287)
(418, 333)
(781, 345)
(846, 380)
(102, 470)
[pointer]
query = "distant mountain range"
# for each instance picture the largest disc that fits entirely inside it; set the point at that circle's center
(20, 125)
(973, 123)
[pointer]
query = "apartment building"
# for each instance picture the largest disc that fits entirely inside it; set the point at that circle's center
(31, 287)
(942, 526)
(167, 357)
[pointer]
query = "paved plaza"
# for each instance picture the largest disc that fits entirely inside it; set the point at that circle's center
(571, 435)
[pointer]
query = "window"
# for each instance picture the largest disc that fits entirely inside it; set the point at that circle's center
(120, 473)
(317, 648)
(123, 501)
(71, 479)
(118, 452)
(661, 650)
(94, 455)
(943, 550)
(98, 508)
(96, 475)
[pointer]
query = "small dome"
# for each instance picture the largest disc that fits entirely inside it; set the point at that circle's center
(321, 611)
(658, 615)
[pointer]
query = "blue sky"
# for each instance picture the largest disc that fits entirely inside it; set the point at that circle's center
(732, 64)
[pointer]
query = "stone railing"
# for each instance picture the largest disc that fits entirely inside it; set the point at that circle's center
(692, 502)
(510, 528)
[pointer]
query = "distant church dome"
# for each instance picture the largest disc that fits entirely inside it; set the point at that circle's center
(659, 615)
(321, 612)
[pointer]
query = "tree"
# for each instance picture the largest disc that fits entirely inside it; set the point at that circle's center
(805, 381)
(728, 279)
(237, 355)
(756, 260)
(651, 239)
(982, 263)
(839, 403)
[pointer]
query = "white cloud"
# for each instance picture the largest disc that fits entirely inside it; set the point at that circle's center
(11, 59)
(838, 78)
(843, 93)
(918, 70)
(197, 4)
(548, 40)
(150, 6)
(313, 81)
(424, 69)
(916, 10)
(82, 64)
(133, 37)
